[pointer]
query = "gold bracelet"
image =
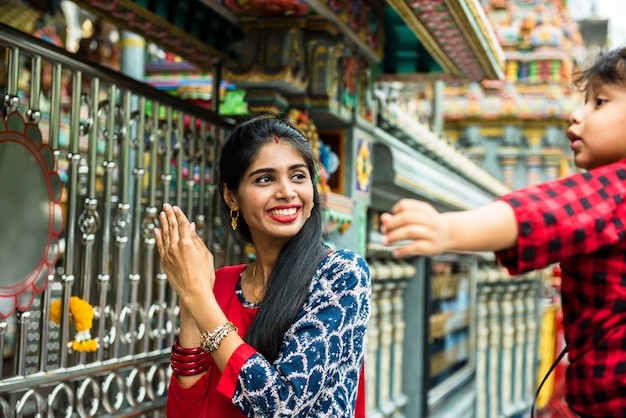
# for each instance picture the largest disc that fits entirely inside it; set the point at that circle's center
(211, 340)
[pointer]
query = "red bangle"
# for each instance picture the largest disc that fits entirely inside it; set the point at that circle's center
(188, 365)
(190, 372)
(188, 358)
(186, 351)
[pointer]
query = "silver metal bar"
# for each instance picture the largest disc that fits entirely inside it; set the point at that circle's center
(90, 218)
(161, 287)
(55, 108)
(44, 325)
(121, 240)
(202, 168)
(191, 167)
(23, 319)
(34, 114)
(122, 214)
(89, 222)
(133, 280)
(109, 165)
(166, 176)
(214, 217)
(3, 333)
(14, 384)
(179, 134)
(13, 67)
(211, 190)
(138, 173)
(74, 160)
(155, 139)
(103, 285)
(151, 219)
(125, 149)
(167, 179)
(68, 281)
(94, 132)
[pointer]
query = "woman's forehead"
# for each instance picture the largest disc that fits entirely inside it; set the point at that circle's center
(277, 153)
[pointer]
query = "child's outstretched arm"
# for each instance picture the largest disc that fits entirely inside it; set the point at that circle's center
(489, 228)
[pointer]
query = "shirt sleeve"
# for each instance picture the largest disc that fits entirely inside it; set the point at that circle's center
(567, 217)
(321, 353)
(186, 402)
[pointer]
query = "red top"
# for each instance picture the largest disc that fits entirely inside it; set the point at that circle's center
(580, 221)
(211, 395)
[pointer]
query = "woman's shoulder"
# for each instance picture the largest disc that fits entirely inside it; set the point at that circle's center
(343, 253)
(342, 261)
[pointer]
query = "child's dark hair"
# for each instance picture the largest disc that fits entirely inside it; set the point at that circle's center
(608, 68)
(290, 279)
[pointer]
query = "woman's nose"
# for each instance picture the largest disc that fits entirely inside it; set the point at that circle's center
(285, 191)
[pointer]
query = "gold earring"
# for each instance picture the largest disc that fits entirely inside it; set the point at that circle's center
(233, 219)
(311, 210)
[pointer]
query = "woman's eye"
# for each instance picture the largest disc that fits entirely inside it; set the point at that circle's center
(299, 176)
(263, 179)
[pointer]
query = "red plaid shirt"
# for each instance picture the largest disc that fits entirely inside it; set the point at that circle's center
(580, 221)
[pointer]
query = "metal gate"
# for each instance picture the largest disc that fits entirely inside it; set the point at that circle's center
(87, 158)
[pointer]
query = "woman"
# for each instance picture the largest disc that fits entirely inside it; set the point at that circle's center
(283, 335)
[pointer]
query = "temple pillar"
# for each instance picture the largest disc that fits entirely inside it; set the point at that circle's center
(397, 319)
(533, 167)
(507, 373)
(508, 162)
(519, 324)
(493, 353)
(482, 348)
(552, 163)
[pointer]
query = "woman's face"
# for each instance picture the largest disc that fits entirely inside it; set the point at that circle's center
(275, 195)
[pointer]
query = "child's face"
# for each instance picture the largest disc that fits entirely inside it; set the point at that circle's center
(598, 127)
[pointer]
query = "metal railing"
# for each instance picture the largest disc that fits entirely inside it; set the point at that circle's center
(121, 149)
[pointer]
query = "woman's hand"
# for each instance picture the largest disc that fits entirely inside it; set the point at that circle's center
(186, 260)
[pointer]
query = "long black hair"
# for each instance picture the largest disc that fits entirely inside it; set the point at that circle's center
(290, 279)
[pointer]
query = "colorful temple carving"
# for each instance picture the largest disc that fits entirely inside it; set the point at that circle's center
(515, 127)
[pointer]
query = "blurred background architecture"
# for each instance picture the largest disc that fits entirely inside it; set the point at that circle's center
(113, 107)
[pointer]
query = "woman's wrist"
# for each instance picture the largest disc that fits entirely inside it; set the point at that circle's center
(188, 361)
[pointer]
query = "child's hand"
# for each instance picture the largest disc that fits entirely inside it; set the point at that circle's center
(419, 224)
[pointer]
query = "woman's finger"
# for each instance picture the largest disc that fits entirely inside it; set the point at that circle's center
(172, 223)
(158, 237)
(165, 229)
(184, 228)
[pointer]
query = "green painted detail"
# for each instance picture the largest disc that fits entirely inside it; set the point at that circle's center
(404, 53)
(234, 103)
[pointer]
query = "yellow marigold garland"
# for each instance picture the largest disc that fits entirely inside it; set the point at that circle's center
(81, 312)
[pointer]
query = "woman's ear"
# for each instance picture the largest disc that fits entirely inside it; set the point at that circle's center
(230, 199)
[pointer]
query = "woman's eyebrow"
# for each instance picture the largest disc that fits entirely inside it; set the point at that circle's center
(273, 170)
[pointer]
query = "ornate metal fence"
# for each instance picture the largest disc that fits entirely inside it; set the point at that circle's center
(87, 157)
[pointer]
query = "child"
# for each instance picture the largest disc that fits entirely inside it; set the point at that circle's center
(578, 221)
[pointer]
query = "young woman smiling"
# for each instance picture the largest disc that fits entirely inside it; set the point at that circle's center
(283, 335)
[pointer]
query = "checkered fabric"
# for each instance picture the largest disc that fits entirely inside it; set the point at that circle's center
(579, 221)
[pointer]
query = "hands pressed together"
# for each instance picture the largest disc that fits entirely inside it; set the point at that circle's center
(186, 260)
